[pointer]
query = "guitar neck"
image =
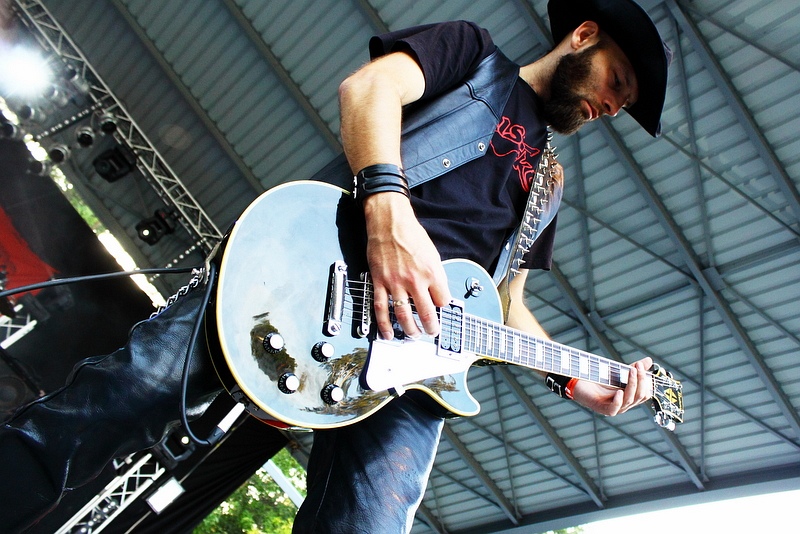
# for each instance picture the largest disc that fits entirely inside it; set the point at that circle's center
(501, 343)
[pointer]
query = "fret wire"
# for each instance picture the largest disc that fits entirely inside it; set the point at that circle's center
(493, 340)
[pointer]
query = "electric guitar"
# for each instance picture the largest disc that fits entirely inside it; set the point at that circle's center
(293, 319)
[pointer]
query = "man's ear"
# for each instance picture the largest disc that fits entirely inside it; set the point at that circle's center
(585, 35)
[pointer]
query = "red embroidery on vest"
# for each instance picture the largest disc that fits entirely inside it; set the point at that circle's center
(524, 154)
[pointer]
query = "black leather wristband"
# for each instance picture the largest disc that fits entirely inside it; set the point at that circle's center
(380, 178)
(557, 384)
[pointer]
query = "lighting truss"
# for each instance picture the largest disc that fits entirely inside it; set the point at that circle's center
(121, 492)
(158, 173)
(12, 330)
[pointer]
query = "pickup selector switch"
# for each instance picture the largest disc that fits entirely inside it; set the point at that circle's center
(322, 351)
(288, 383)
(273, 343)
(332, 394)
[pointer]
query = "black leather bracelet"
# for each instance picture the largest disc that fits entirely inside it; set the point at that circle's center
(380, 178)
(557, 384)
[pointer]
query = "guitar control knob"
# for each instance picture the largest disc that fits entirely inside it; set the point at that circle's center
(322, 351)
(273, 343)
(332, 394)
(288, 383)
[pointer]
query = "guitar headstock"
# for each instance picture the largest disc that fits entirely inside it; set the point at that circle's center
(667, 398)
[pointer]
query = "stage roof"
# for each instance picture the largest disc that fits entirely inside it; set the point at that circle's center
(684, 248)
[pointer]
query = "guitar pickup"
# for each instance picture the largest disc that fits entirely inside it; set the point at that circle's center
(451, 318)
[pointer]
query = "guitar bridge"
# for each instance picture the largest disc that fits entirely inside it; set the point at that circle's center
(332, 325)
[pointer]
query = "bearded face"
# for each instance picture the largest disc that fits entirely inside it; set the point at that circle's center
(572, 78)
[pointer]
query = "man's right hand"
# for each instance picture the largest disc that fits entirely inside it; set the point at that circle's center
(404, 264)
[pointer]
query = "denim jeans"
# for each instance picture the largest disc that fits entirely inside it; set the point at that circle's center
(370, 477)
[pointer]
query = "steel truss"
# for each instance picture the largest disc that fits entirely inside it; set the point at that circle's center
(120, 493)
(11, 330)
(158, 173)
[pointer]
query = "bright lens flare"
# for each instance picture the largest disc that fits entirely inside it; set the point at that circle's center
(23, 72)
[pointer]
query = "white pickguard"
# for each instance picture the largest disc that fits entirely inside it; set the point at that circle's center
(394, 364)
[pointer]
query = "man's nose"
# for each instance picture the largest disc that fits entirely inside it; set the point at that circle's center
(611, 105)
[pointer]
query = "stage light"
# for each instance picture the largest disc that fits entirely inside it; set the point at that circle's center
(24, 72)
(6, 115)
(152, 229)
(84, 135)
(114, 163)
(56, 96)
(107, 123)
(58, 153)
(38, 168)
(10, 130)
(28, 113)
(78, 82)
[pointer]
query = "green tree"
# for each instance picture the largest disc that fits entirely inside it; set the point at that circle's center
(259, 506)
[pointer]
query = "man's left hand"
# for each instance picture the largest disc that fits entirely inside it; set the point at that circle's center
(610, 401)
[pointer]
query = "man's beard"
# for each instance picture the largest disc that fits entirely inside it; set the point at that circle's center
(564, 111)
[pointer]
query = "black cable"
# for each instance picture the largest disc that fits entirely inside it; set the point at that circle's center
(91, 277)
(217, 433)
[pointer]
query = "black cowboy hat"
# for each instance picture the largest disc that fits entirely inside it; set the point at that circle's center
(631, 28)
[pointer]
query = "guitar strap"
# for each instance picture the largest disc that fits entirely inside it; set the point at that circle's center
(544, 199)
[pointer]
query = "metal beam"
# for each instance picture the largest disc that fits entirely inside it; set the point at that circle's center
(722, 307)
(697, 175)
(678, 144)
(584, 227)
(555, 441)
(590, 323)
(604, 421)
(686, 378)
(528, 458)
(158, 173)
(283, 75)
(737, 105)
(426, 516)
(703, 276)
(535, 22)
(670, 438)
(372, 15)
(504, 440)
(484, 477)
(178, 84)
(789, 62)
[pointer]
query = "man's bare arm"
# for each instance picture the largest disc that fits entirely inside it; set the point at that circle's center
(403, 261)
(596, 397)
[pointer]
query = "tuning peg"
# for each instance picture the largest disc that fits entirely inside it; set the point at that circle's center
(664, 421)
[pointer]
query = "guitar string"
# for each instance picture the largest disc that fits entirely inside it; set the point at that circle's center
(548, 357)
(363, 291)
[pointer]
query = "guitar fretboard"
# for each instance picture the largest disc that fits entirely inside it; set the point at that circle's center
(499, 342)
